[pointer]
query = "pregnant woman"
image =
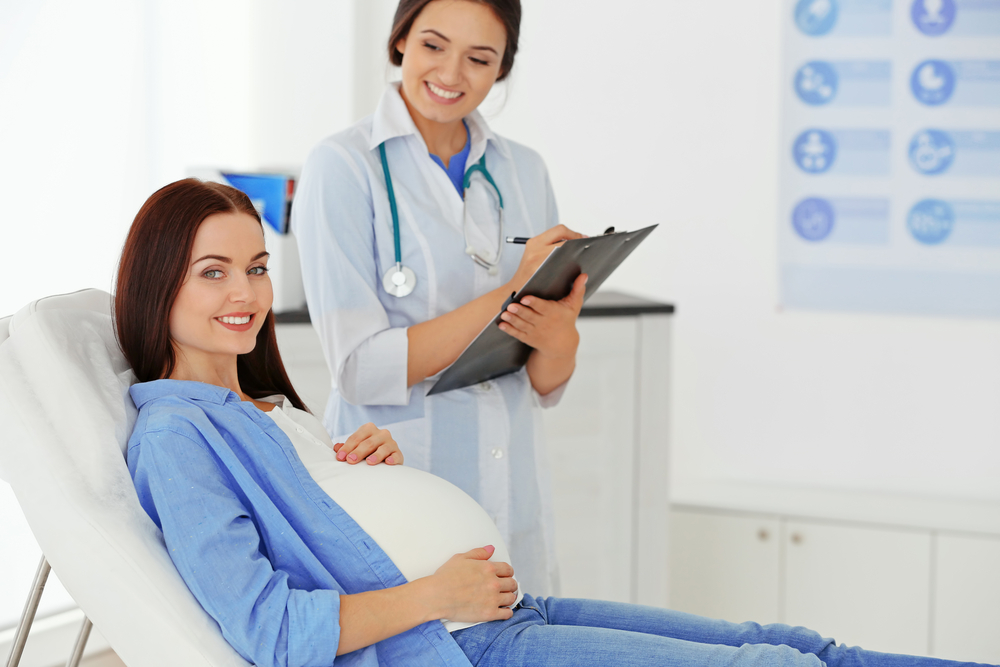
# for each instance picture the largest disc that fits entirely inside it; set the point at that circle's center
(304, 559)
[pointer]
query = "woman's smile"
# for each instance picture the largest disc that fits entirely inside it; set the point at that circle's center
(236, 321)
(443, 95)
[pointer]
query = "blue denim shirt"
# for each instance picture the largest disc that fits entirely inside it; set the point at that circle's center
(264, 550)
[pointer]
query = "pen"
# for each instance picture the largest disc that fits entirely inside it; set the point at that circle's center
(517, 239)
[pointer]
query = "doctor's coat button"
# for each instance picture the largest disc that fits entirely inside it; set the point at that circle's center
(497, 453)
(486, 386)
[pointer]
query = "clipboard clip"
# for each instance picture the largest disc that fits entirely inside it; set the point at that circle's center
(506, 303)
(609, 230)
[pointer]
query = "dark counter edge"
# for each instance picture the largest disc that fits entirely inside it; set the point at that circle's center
(601, 304)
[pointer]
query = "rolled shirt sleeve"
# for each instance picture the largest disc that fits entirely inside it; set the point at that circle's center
(333, 223)
(214, 542)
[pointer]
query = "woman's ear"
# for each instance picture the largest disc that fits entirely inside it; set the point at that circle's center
(401, 45)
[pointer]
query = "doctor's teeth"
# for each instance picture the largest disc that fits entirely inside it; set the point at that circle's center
(235, 320)
(441, 92)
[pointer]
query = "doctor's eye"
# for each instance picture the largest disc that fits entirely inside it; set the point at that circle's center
(258, 271)
(213, 273)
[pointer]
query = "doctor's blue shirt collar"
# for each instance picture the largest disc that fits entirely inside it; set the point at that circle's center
(392, 119)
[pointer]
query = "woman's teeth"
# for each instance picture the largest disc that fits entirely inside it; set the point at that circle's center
(441, 92)
(234, 320)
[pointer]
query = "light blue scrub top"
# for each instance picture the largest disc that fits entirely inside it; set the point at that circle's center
(456, 166)
(485, 439)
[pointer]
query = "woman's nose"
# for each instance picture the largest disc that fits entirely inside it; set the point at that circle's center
(242, 291)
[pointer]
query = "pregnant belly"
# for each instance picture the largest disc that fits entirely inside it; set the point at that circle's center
(418, 519)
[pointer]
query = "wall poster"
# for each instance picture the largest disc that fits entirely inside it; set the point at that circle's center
(890, 156)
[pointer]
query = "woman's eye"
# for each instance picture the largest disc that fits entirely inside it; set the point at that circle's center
(258, 271)
(478, 61)
(432, 47)
(213, 273)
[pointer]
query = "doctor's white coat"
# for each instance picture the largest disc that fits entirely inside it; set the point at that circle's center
(486, 439)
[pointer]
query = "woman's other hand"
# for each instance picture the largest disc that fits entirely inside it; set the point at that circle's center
(369, 443)
(547, 326)
(471, 588)
(537, 249)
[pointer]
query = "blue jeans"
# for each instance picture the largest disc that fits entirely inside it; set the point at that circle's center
(564, 632)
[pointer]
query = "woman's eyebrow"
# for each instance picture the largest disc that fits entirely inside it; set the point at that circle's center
(224, 260)
(228, 260)
(476, 48)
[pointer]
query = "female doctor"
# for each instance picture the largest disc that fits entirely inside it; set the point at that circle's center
(401, 222)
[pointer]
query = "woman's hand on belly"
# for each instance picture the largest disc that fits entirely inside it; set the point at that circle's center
(372, 444)
(470, 588)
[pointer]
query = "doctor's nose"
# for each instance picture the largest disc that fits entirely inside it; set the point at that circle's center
(451, 71)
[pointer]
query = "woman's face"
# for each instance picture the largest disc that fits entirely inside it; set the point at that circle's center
(451, 58)
(226, 294)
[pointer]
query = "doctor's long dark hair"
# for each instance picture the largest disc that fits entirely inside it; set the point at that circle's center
(153, 265)
(507, 11)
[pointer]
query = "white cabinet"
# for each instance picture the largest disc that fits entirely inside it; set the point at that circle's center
(892, 589)
(591, 442)
(725, 566)
(864, 586)
(967, 598)
(607, 442)
(607, 446)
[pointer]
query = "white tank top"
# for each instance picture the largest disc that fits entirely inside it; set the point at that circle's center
(418, 519)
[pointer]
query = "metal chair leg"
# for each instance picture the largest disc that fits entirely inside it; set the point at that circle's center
(81, 643)
(28, 615)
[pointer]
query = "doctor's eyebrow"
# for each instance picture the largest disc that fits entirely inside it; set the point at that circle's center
(477, 48)
(228, 260)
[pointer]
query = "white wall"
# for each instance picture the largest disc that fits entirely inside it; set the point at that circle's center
(668, 112)
(103, 102)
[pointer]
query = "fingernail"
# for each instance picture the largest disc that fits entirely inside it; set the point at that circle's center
(352, 456)
(341, 456)
(390, 460)
(490, 549)
(585, 279)
(512, 308)
(504, 316)
(526, 301)
(371, 459)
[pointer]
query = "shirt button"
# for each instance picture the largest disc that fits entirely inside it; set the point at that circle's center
(299, 430)
(487, 386)
(497, 453)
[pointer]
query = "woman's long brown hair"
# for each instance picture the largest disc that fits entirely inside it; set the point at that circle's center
(150, 274)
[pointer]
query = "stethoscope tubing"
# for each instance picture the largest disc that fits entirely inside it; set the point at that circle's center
(400, 280)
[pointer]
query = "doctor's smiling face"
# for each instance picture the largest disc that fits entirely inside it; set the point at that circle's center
(226, 293)
(451, 57)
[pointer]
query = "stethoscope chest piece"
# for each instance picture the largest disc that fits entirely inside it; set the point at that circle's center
(399, 280)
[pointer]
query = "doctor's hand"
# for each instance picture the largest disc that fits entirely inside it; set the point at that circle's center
(537, 249)
(547, 326)
(471, 588)
(369, 443)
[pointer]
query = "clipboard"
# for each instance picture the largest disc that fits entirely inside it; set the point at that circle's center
(494, 353)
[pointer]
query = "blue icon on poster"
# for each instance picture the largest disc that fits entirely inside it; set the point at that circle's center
(933, 82)
(813, 219)
(932, 152)
(816, 17)
(933, 17)
(931, 221)
(816, 83)
(814, 151)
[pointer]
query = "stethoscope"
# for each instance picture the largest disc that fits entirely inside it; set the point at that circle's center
(400, 280)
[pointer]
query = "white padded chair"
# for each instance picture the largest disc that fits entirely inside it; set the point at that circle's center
(65, 419)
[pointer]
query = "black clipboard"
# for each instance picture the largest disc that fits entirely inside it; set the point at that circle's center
(494, 353)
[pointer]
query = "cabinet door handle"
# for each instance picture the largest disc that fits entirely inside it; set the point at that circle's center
(796, 538)
(763, 535)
